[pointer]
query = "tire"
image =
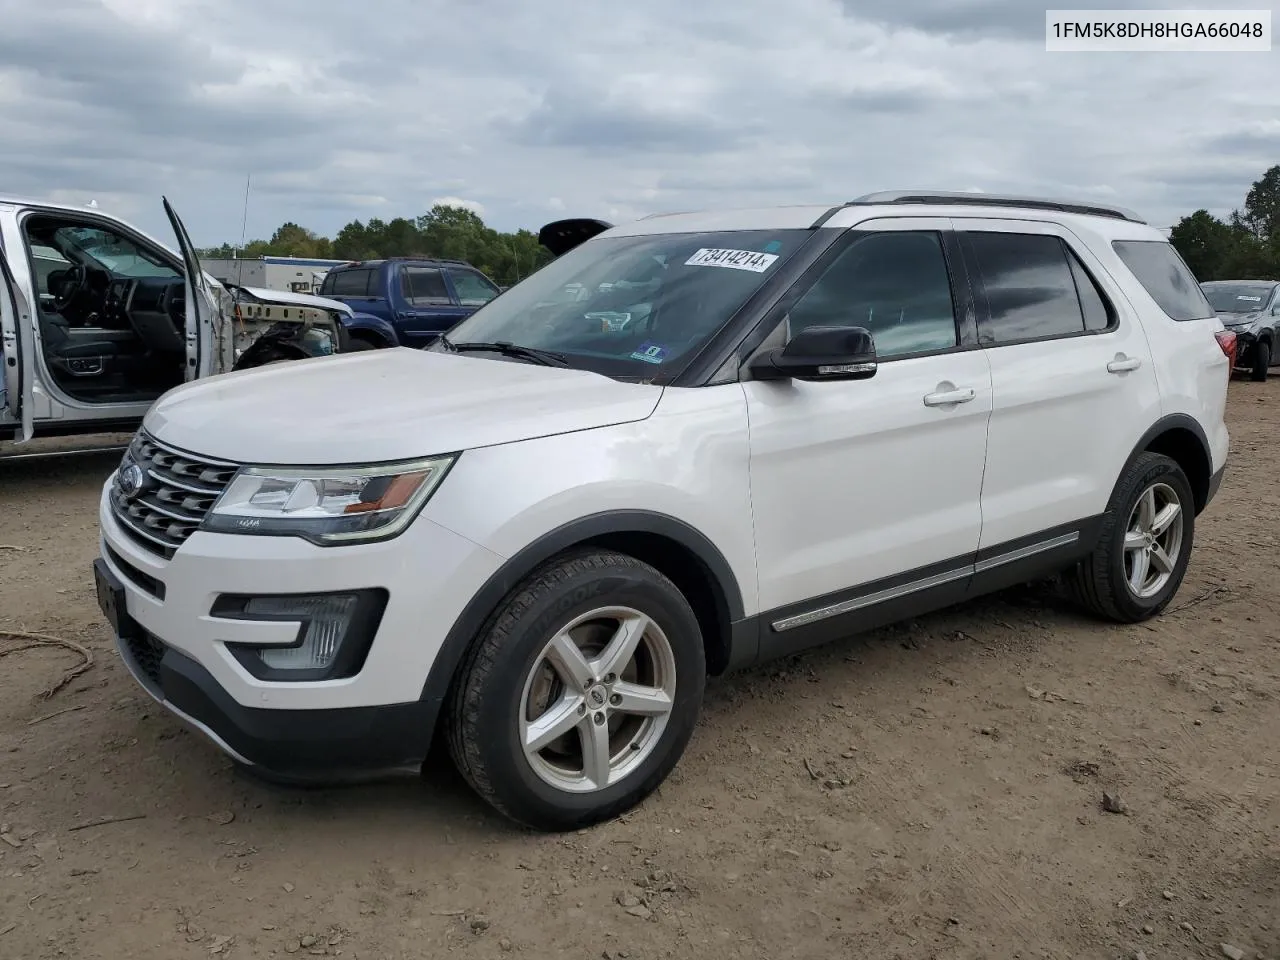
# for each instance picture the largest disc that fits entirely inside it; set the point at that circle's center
(1103, 582)
(359, 343)
(1261, 361)
(507, 683)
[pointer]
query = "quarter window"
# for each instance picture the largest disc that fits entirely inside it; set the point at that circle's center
(424, 286)
(1166, 278)
(895, 284)
(1036, 288)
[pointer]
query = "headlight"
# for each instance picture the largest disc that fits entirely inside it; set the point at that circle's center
(327, 505)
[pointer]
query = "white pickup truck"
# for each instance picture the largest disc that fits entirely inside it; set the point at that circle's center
(98, 320)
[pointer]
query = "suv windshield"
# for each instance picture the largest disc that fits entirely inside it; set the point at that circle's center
(633, 307)
(1238, 297)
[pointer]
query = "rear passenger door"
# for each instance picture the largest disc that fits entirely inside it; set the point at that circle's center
(1073, 386)
(427, 308)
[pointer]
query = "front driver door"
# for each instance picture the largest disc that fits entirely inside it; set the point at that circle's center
(209, 333)
(16, 349)
(866, 493)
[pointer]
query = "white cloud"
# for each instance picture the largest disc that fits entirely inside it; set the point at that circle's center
(612, 111)
(472, 205)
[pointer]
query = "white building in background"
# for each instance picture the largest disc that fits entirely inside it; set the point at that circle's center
(295, 274)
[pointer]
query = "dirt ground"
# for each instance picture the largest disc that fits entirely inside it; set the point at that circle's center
(931, 790)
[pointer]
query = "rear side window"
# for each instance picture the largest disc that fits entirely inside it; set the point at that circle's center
(1165, 277)
(1036, 288)
(349, 283)
(424, 286)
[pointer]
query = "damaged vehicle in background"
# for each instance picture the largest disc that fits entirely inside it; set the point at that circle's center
(98, 320)
(1251, 310)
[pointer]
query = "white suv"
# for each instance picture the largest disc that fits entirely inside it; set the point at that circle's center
(758, 431)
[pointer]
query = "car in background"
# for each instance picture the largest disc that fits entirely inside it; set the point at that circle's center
(1251, 310)
(98, 320)
(406, 301)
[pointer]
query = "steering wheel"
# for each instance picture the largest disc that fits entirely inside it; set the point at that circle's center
(70, 286)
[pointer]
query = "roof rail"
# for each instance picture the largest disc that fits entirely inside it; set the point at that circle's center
(426, 258)
(957, 198)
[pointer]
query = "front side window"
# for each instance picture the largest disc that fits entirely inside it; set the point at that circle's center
(424, 286)
(895, 284)
(472, 288)
(1166, 277)
(636, 307)
(1035, 289)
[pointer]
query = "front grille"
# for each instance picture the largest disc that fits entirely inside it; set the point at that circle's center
(177, 491)
(147, 652)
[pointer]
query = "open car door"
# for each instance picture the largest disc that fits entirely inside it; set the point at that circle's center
(210, 337)
(17, 349)
(561, 236)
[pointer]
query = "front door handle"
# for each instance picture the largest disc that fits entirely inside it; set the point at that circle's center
(946, 398)
(1123, 364)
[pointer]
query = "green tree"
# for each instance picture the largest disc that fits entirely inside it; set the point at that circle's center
(444, 231)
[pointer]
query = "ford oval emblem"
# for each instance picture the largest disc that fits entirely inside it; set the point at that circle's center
(131, 480)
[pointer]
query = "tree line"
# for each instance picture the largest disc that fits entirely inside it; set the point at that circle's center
(1246, 245)
(446, 232)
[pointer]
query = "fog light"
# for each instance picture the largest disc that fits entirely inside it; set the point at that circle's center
(335, 631)
(325, 620)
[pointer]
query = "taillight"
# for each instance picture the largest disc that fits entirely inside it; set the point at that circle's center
(1227, 341)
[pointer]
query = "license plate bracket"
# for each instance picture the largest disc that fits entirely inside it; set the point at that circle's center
(111, 600)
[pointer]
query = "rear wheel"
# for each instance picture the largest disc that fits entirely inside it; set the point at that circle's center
(582, 693)
(359, 343)
(1261, 361)
(1142, 554)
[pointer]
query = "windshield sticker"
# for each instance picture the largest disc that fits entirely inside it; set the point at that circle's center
(733, 259)
(1250, 299)
(773, 246)
(650, 353)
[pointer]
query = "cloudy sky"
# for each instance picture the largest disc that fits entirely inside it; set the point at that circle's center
(528, 109)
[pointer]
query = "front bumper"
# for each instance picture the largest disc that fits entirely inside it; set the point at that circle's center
(1245, 343)
(290, 730)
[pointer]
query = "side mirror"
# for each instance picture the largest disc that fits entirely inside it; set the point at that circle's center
(820, 353)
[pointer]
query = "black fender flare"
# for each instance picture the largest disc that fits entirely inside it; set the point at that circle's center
(1178, 421)
(485, 600)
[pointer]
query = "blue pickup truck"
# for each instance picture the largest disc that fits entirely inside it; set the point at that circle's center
(405, 301)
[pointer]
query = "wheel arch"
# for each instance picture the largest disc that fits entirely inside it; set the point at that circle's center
(677, 550)
(1179, 437)
(367, 326)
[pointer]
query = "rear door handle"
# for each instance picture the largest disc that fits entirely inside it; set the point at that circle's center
(948, 397)
(1122, 364)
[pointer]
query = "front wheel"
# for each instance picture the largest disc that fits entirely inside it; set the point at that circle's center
(580, 696)
(1145, 545)
(1261, 361)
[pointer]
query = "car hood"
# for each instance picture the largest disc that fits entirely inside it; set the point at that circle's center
(1238, 321)
(387, 405)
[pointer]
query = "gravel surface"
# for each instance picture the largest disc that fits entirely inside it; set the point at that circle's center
(1005, 779)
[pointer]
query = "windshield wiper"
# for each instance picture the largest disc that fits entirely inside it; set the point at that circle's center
(544, 357)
